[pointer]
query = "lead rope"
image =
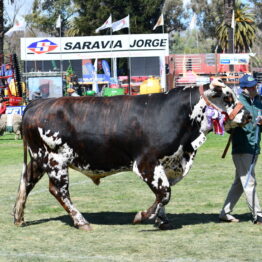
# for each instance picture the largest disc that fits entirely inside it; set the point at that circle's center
(227, 146)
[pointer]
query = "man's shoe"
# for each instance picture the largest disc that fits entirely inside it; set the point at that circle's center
(228, 219)
(258, 221)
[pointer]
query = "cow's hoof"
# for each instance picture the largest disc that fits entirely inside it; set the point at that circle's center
(138, 218)
(86, 227)
(166, 226)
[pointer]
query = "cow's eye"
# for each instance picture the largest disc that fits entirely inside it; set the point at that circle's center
(228, 100)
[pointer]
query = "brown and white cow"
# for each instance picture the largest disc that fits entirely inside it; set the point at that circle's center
(156, 136)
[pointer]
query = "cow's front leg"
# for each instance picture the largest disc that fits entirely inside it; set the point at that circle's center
(155, 177)
(59, 188)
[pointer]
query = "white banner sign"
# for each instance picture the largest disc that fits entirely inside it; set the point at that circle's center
(234, 59)
(88, 47)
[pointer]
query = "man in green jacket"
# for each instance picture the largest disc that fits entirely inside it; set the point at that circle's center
(245, 151)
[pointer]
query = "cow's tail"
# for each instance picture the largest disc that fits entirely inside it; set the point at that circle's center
(25, 148)
(18, 210)
(25, 153)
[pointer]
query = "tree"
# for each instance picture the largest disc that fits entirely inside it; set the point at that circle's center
(185, 43)
(175, 15)
(245, 29)
(258, 11)
(45, 13)
(244, 32)
(93, 13)
(209, 14)
(143, 15)
(11, 42)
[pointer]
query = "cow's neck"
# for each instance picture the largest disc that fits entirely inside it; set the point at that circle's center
(199, 116)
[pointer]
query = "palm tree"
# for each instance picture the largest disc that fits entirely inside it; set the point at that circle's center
(244, 29)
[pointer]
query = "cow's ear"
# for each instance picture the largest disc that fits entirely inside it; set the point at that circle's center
(217, 82)
(216, 86)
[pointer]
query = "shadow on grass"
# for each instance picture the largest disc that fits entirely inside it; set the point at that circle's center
(120, 218)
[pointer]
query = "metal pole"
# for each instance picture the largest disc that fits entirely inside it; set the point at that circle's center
(60, 40)
(129, 63)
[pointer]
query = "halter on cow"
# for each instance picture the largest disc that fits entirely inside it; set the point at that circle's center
(156, 136)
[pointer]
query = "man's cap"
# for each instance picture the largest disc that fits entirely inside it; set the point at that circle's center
(247, 81)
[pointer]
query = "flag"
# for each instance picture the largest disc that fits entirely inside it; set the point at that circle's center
(18, 26)
(159, 22)
(106, 69)
(162, 72)
(193, 22)
(58, 22)
(233, 20)
(95, 85)
(123, 23)
(107, 24)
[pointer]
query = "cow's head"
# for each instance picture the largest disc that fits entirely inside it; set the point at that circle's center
(224, 98)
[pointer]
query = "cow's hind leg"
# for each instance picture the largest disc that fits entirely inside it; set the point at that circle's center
(155, 177)
(31, 174)
(59, 188)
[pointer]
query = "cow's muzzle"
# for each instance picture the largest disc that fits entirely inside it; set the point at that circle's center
(247, 117)
(235, 111)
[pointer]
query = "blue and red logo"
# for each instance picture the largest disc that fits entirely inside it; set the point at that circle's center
(43, 46)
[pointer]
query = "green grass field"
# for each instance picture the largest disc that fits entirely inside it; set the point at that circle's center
(110, 207)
